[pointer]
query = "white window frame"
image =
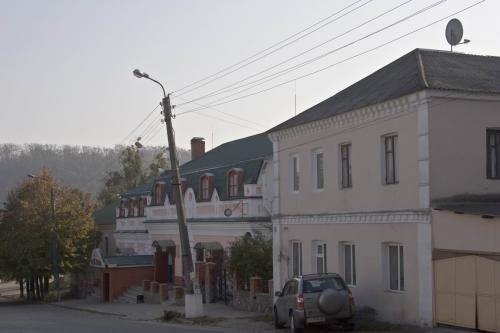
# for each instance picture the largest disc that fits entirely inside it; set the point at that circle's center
(400, 267)
(315, 170)
(341, 166)
(295, 271)
(395, 153)
(294, 173)
(205, 187)
(317, 255)
(353, 281)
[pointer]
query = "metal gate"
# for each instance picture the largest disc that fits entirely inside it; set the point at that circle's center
(467, 292)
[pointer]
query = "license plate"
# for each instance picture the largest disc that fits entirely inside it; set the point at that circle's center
(316, 320)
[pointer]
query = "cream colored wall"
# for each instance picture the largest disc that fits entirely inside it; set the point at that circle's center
(465, 232)
(371, 289)
(457, 141)
(368, 193)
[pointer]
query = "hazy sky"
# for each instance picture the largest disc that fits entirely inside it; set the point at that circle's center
(66, 66)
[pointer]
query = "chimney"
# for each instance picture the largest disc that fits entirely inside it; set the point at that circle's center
(197, 148)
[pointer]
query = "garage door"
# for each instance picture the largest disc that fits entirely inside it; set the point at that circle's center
(467, 292)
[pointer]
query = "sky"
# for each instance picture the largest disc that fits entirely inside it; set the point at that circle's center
(66, 66)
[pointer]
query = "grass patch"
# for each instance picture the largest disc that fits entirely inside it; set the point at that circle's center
(169, 316)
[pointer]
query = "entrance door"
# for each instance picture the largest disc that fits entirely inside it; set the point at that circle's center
(106, 287)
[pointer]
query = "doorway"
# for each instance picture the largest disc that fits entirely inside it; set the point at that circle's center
(106, 287)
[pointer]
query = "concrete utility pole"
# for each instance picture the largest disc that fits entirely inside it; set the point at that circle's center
(193, 303)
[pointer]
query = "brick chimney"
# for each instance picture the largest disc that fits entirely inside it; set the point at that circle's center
(197, 148)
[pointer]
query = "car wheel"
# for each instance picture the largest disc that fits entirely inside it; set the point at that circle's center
(277, 323)
(294, 329)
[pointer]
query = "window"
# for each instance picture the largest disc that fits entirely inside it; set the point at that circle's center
(320, 253)
(131, 207)
(345, 166)
(318, 170)
(493, 154)
(295, 173)
(142, 204)
(234, 179)
(390, 160)
(159, 193)
(122, 209)
(205, 187)
(296, 258)
(106, 246)
(349, 262)
(396, 267)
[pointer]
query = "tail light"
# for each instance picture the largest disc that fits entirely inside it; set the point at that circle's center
(300, 302)
(351, 298)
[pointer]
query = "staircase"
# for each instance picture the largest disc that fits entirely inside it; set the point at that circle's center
(130, 296)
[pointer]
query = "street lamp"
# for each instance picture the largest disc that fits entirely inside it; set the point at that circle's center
(55, 261)
(192, 308)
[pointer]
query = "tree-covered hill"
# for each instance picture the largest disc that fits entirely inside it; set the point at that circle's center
(82, 167)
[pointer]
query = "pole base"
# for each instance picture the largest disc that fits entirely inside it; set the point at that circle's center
(193, 305)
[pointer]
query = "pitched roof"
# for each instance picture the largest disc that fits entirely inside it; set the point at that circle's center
(106, 215)
(246, 153)
(418, 70)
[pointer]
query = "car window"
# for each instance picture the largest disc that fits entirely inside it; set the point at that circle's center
(285, 288)
(318, 285)
(292, 289)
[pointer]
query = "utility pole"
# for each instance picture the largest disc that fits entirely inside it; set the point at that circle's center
(54, 243)
(187, 259)
(193, 304)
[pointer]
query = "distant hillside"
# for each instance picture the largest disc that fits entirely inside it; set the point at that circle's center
(78, 166)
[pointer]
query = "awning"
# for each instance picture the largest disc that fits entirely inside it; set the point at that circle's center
(163, 244)
(208, 246)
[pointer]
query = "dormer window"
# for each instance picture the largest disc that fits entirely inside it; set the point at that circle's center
(206, 186)
(234, 178)
(122, 209)
(142, 204)
(130, 208)
(159, 193)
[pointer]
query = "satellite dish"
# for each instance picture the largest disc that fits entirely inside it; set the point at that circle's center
(454, 32)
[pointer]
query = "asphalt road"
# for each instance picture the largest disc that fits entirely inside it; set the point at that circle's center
(44, 318)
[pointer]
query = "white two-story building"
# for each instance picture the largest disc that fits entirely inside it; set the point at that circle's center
(394, 182)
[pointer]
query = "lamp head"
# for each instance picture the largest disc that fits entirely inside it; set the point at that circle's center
(139, 74)
(32, 176)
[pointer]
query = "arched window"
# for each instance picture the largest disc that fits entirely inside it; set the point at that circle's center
(142, 204)
(122, 208)
(131, 207)
(234, 180)
(159, 193)
(206, 186)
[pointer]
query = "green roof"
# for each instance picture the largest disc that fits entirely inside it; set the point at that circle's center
(247, 153)
(106, 215)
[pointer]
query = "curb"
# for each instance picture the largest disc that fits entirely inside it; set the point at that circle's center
(88, 310)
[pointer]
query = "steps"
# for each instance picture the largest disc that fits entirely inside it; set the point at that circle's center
(130, 296)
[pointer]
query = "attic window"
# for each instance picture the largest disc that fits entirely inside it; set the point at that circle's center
(159, 193)
(142, 203)
(131, 207)
(122, 209)
(206, 186)
(234, 180)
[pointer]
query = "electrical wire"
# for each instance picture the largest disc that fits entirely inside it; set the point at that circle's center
(339, 62)
(142, 122)
(226, 88)
(176, 92)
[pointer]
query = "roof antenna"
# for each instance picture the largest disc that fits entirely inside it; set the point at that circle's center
(454, 33)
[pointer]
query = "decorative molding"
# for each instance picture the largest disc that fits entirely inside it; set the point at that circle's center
(413, 216)
(353, 118)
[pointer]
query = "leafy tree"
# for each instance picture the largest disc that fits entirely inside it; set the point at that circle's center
(159, 163)
(28, 232)
(252, 256)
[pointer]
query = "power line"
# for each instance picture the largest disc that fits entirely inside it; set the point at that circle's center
(269, 48)
(225, 88)
(228, 121)
(339, 62)
(142, 122)
(225, 113)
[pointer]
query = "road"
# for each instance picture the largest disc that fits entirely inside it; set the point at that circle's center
(45, 318)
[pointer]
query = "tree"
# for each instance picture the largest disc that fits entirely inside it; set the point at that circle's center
(252, 256)
(159, 163)
(27, 233)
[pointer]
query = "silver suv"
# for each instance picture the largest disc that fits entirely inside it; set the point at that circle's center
(314, 299)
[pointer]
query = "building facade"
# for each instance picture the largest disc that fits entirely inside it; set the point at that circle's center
(225, 197)
(391, 179)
